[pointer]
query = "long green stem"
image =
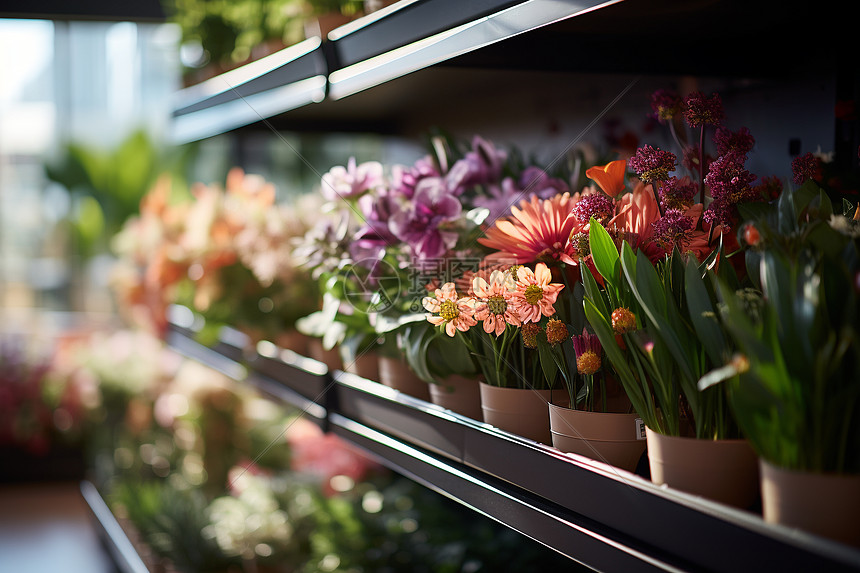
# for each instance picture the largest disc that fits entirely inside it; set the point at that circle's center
(654, 188)
(702, 165)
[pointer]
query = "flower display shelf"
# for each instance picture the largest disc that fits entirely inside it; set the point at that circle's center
(111, 533)
(279, 373)
(466, 50)
(595, 514)
(290, 78)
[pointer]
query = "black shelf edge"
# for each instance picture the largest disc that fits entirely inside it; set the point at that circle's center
(572, 535)
(566, 501)
(288, 79)
(121, 550)
(397, 53)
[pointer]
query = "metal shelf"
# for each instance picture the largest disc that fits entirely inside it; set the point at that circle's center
(280, 82)
(593, 513)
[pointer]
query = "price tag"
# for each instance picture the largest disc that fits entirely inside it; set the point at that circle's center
(640, 429)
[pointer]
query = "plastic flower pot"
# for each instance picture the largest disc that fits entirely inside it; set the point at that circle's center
(520, 411)
(458, 394)
(613, 438)
(365, 365)
(823, 504)
(331, 358)
(395, 373)
(720, 470)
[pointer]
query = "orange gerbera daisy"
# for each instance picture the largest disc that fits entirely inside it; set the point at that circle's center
(447, 308)
(494, 304)
(609, 177)
(537, 230)
(535, 293)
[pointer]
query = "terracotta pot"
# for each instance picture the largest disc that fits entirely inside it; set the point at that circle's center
(720, 470)
(331, 358)
(366, 365)
(395, 373)
(822, 504)
(616, 439)
(520, 411)
(293, 340)
(458, 394)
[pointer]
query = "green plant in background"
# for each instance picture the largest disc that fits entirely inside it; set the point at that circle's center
(795, 379)
(171, 522)
(228, 32)
(106, 186)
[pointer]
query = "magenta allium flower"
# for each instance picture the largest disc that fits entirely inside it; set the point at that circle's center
(677, 193)
(700, 109)
(672, 229)
(691, 159)
(652, 164)
(351, 181)
(665, 105)
(596, 205)
(729, 183)
(805, 167)
(420, 223)
(727, 140)
(480, 166)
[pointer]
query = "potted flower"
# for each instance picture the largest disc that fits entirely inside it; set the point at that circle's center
(497, 317)
(793, 379)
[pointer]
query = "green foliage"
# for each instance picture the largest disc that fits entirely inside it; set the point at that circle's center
(106, 186)
(645, 369)
(171, 522)
(661, 364)
(229, 30)
(796, 378)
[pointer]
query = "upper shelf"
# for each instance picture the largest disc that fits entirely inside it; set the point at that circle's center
(420, 52)
(279, 82)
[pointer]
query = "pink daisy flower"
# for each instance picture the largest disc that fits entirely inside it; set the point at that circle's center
(447, 308)
(494, 301)
(535, 293)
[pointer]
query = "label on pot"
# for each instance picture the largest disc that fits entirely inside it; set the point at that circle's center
(640, 428)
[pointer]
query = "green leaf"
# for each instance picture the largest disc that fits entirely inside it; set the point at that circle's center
(635, 389)
(704, 317)
(604, 254)
(547, 363)
(787, 221)
(752, 211)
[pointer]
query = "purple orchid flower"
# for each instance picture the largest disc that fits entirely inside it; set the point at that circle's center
(481, 166)
(351, 181)
(537, 181)
(420, 222)
(405, 178)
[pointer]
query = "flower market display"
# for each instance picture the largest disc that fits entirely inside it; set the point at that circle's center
(665, 313)
(615, 298)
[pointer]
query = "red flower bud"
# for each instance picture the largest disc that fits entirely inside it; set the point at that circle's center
(751, 235)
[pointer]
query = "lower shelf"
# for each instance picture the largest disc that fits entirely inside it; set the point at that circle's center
(593, 513)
